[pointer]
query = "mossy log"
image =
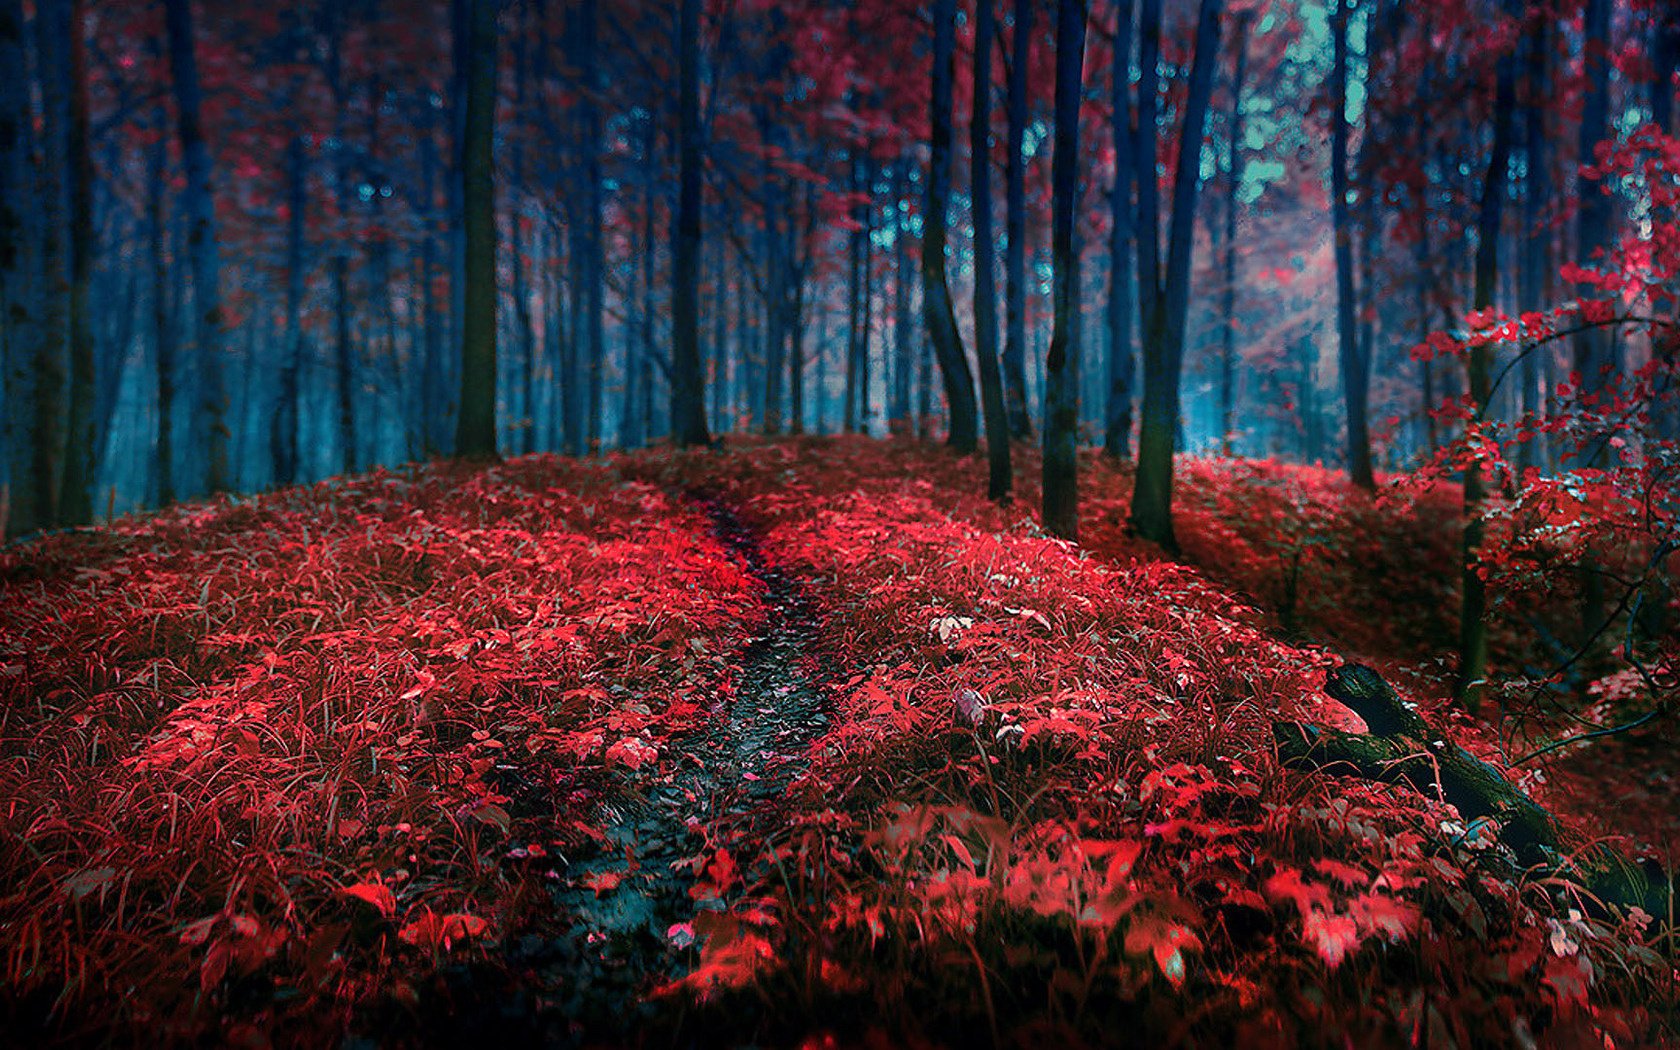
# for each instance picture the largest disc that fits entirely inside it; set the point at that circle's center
(1402, 747)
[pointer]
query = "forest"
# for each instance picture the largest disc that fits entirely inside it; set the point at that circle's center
(839, 523)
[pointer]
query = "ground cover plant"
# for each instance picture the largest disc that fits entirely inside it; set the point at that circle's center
(492, 547)
(358, 758)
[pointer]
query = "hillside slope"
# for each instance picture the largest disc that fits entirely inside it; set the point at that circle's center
(796, 743)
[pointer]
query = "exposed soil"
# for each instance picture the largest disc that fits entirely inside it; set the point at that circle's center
(583, 981)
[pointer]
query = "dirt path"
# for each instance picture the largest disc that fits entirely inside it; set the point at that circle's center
(616, 908)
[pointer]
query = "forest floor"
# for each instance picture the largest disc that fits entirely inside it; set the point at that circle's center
(798, 743)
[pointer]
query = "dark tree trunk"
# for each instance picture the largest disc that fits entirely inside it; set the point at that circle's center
(476, 436)
(999, 478)
(344, 341)
(80, 463)
(1117, 411)
(1165, 296)
(49, 371)
(594, 256)
(633, 427)
(284, 440)
(1354, 366)
(1061, 364)
(1234, 166)
(435, 371)
(1015, 227)
(21, 505)
(903, 364)
(854, 302)
(1536, 266)
(1472, 631)
(1595, 354)
(941, 320)
(201, 243)
(774, 275)
(688, 386)
(163, 336)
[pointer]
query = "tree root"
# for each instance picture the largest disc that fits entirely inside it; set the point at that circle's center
(1401, 747)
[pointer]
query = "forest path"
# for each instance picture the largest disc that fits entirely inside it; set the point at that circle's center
(622, 904)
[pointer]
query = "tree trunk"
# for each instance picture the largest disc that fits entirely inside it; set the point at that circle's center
(476, 436)
(899, 405)
(344, 342)
(1117, 411)
(1061, 364)
(999, 477)
(20, 334)
(1165, 297)
(1015, 227)
(1472, 630)
(49, 373)
(1355, 378)
(1228, 349)
(854, 304)
(80, 462)
(633, 426)
(1535, 273)
(1401, 747)
(688, 386)
(963, 436)
(1595, 355)
(284, 441)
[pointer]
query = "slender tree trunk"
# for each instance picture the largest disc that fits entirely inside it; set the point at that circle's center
(344, 342)
(594, 265)
(1534, 275)
(854, 303)
(476, 436)
(633, 428)
(163, 336)
(1117, 411)
(285, 435)
(21, 504)
(49, 372)
(796, 312)
(774, 275)
(1234, 166)
(688, 386)
(1015, 226)
(1061, 364)
(201, 242)
(80, 463)
(937, 310)
(1594, 350)
(899, 404)
(1473, 636)
(1165, 296)
(999, 476)
(1354, 367)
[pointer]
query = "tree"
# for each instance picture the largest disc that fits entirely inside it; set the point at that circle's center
(999, 479)
(688, 386)
(202, 250)
(1234, 172)
(1015, 226)
(1355, 366)
(80, 464)
(937, 311)
(1117, 433)
(476, 433)
(23, 346)
(1473, 634)
(1061, 365)
(1165, 294)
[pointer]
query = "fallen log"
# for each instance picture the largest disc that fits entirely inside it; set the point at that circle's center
(1402, 747)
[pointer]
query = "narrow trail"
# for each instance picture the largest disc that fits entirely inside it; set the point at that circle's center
(616, 908)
